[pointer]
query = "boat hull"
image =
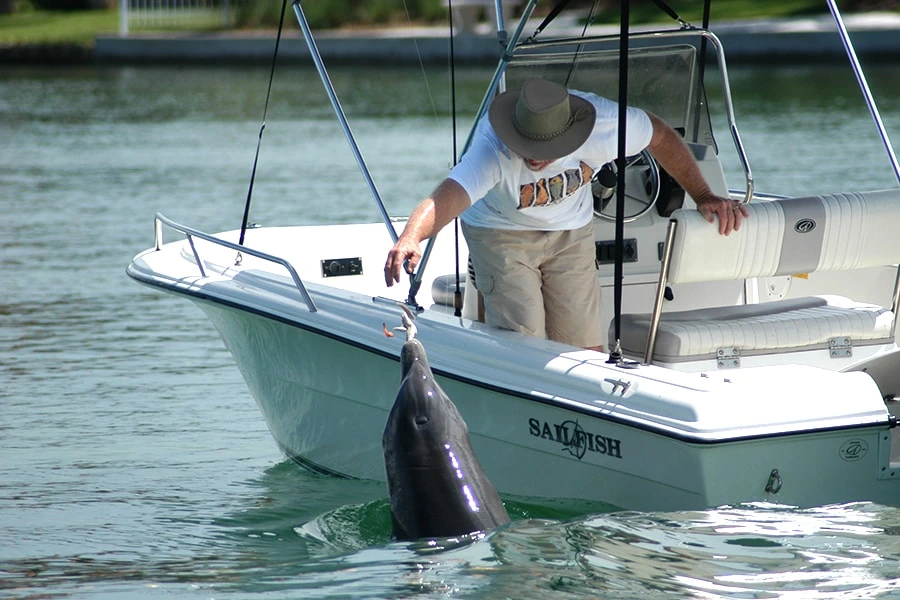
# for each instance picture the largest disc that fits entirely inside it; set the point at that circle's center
(326, 400)
(777, 396)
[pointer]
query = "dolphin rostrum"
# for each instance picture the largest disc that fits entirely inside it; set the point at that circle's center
(437, 486)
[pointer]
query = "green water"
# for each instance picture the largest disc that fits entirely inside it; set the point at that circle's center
(133, 461)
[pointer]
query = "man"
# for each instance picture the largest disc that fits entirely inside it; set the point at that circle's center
(523, 190)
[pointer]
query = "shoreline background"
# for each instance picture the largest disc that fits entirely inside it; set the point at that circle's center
(796, 40)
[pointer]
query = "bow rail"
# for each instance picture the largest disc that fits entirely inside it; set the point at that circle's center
(190, 234)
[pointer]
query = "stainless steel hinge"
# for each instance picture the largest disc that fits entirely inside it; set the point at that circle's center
(840, 347)
(728, 358)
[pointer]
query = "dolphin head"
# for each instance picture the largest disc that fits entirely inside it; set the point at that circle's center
(423, 417)
(412, 352)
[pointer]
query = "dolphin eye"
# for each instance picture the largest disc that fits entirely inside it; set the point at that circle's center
(421, 420)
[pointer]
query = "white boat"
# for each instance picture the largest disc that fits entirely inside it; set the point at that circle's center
(761, 366)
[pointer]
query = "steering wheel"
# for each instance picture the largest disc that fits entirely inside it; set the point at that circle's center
(642, 184)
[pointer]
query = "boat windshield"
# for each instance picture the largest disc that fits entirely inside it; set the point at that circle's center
(662, 79)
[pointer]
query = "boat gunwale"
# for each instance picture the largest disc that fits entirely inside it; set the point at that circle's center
(575, 406)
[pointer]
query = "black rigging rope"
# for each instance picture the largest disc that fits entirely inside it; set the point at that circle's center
(551, 16)
(263, 127)
(457, 293)
(702, 59)
(618, 274)
(669, 11)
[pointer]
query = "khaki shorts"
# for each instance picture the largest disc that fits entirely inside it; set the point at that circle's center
(543, 283)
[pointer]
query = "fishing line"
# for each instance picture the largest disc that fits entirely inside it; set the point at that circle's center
(415, 279)
(587, 23)
(421, 64)
(261, 130)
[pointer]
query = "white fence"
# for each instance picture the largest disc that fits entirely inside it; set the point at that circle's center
(172, 14)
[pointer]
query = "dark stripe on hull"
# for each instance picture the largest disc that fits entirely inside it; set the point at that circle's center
(311, 466)
(568, 407)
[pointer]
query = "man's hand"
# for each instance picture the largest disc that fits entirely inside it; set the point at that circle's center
(670, 150)
(447, 201)
(731, 213)
(404, 250)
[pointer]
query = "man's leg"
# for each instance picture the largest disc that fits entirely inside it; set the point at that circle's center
(571, 289)
(506, 273)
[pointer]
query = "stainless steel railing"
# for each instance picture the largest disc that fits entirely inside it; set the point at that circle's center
(173, 14)
(190, 234)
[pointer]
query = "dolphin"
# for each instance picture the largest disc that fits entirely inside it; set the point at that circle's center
(436, 485)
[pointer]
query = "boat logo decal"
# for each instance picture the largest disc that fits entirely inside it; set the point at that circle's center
(804, 225)
(853, 450)
(574, 439)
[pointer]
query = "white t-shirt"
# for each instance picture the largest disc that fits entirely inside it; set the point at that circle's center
(506, 194)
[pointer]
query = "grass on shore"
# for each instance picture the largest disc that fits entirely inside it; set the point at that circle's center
(722, 10)
(81, 27)
(78, 27)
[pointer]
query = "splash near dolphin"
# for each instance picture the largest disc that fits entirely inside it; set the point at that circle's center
(436, 484)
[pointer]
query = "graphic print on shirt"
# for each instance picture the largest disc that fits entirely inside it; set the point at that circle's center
(550, 190)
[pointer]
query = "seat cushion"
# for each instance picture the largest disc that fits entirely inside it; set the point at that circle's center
(785, 325)
(443, 289)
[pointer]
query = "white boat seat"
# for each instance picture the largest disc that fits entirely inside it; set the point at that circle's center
(443, 288)
(808, 323)
(783, 237)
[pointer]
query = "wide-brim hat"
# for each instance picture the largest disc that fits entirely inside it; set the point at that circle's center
(542, 120)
